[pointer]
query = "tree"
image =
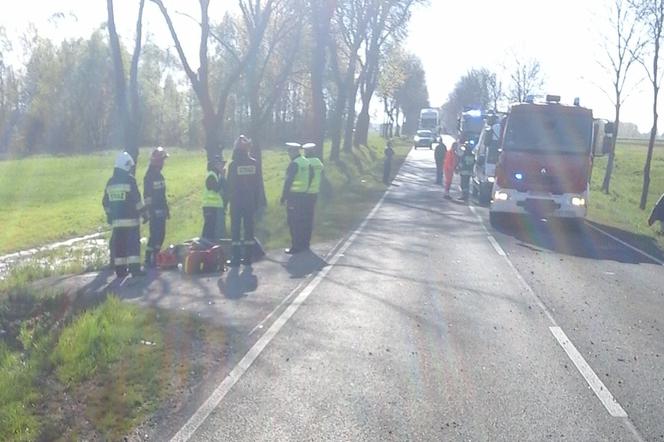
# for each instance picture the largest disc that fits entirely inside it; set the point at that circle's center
(350, 21)
(413, 95)
(472, 90)
(651, 14)
(126, 99)
(321, 16)
(387, 22)
(392, 77)
(526, 79)
(621, 55)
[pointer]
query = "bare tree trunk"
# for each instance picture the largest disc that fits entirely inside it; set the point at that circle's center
(363, 122)
(322, 14)
(127, 105)
(651, 146)
(612, 154)
(350, 118)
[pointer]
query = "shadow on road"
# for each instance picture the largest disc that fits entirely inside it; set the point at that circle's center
(238, 283)
(579, 240)
(304, 264)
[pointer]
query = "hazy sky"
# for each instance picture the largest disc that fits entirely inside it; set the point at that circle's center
(450, 36)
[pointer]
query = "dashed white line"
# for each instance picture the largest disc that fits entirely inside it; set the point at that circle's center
(600, 390)
(602, 393)
(496, 246)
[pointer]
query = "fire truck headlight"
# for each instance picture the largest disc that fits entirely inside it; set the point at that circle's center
(578, 201)
(491, 179)
(518, 176)
(417, 138)
(501, 196)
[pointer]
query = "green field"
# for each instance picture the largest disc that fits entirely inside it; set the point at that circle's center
(620, 208)
(45, 199)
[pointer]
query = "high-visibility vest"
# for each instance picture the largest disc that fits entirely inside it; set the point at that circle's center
(212, 198)
(317, 166)
(301, 181)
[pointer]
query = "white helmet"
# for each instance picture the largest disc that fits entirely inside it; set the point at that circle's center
(124, 161)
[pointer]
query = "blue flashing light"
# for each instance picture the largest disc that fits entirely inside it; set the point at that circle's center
(518, 176)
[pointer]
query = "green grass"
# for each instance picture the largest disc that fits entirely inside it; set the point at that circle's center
(115, 363)
(620, 208)
(51, 198)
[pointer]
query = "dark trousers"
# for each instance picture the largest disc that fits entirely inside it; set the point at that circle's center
(210, 218)
(126, 249)
(297, 220)
(310, 208)
(157, 233)
(242, 221)
(387, 171)
(465, 185)
(439, 173)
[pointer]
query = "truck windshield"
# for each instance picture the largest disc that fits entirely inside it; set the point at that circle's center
(549, 130)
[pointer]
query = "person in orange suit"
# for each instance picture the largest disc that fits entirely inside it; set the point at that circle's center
(449, 166)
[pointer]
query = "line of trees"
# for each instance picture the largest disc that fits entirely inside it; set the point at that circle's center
(274, 69)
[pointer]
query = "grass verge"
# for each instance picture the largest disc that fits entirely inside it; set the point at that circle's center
(620, 208)
(46, 199)
(95, 374)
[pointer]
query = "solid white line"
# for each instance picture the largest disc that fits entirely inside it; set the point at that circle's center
(195, 421)
(602, 393)
(636, 249)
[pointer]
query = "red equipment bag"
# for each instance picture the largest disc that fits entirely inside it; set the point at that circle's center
(210, 260)
(167, 259)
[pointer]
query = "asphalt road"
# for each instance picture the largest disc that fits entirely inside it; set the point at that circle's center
(428, 324)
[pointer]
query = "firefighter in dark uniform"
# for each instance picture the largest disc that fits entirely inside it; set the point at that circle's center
(294, 195)
(124, 207)
(466, 166)
(244, 192)
(212, 200)
(316, 169)
(154, 194)
(657, 213)
(439, 157)
(387, 164)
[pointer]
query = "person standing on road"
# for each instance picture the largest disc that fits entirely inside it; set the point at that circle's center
(154, 193)
(449, 166)
(244, 191)
(212, 200)
(657, 214)
(387, 165)
(294, 196)
(439, 157)
(124, 207)
(466, 165)
(314, 188)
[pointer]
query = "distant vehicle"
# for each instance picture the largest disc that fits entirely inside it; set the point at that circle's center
(486, 158)
(424, 138)
(545, 161)
(430, 120)
(470, 125)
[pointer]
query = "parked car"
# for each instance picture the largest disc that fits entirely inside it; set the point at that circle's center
(424, 138)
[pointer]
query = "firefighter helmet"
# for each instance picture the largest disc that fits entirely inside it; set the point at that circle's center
(158, 156)
(242, 142)
(124, 161)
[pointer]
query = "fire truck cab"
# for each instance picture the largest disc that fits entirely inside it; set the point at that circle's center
(545, 161)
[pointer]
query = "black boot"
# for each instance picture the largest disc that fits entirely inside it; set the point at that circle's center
(149, 260)
(235, 256)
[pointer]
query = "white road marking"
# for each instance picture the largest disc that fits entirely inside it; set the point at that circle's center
(197, 419)
(626, 244)
(602, 393)
(293, 292)
(496, 246)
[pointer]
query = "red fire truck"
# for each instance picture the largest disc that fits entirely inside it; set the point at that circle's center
(545, 161)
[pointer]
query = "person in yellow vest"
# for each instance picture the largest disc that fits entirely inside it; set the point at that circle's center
(316, 170)
(212, 200)
(294, 196)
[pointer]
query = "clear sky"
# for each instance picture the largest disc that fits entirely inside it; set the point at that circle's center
(450, 36)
